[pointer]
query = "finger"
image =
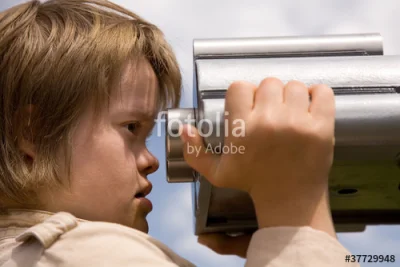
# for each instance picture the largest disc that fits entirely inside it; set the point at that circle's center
(322, 105)
(196, 154)
(296, 96)
(269, 94)
(239, 99)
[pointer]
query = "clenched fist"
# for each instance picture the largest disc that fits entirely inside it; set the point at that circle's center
(288, 151)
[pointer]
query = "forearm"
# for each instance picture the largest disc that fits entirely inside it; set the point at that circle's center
(307, 208)
(296, 246)
(298, 233)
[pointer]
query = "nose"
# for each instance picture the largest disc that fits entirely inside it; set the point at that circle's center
(148, 163)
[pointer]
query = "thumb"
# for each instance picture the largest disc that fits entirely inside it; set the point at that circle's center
(196, 154)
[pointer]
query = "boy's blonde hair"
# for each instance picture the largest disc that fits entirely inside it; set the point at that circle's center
(56, 58)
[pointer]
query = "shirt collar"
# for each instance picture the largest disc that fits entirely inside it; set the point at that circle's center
(22, 218)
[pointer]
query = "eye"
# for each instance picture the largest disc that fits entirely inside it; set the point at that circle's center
(133, 127)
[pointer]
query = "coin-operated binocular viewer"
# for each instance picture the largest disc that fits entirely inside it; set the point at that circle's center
(364, 183)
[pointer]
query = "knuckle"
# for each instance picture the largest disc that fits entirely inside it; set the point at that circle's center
(297, 127)
(294, 122)
(320, 134)
(264, 122)
(304, 129)
(239, 89)
(271, 81)
(239, 85)
(269, 120)
(324, 90)
(294, 84)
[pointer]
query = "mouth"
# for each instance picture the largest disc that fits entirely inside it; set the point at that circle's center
(145, 191)
(141, 196)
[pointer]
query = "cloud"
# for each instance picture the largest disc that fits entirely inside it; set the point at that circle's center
(218, 19)
(184, 20)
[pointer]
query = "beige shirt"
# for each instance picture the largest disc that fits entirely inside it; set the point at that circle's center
(42, 239)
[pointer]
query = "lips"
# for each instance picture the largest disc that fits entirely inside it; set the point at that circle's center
(143, 201)
(145, 191)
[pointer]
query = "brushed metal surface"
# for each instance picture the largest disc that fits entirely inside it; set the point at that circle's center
(368, 71)
(178, 170)
(362, 44)
(364, 182)
(371, 120)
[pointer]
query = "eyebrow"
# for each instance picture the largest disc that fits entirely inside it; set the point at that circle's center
(143, 115)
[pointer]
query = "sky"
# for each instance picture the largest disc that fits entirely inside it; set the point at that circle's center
(184, 20)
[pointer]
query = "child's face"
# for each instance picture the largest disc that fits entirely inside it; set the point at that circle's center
(110, 165)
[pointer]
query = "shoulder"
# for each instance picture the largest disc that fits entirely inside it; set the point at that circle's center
(66, 241)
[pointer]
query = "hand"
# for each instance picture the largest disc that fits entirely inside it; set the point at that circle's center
(226, 245)
(288, 153)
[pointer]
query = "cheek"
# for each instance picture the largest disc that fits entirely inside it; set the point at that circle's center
(104, 166)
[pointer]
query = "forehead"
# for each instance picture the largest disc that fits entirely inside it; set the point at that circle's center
(137, 91)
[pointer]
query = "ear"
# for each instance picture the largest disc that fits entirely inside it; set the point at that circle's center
(25, 143)
(27, 148)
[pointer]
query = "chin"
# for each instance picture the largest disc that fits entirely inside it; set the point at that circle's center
(141, 225)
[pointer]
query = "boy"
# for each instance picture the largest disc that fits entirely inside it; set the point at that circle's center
(81, 83)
